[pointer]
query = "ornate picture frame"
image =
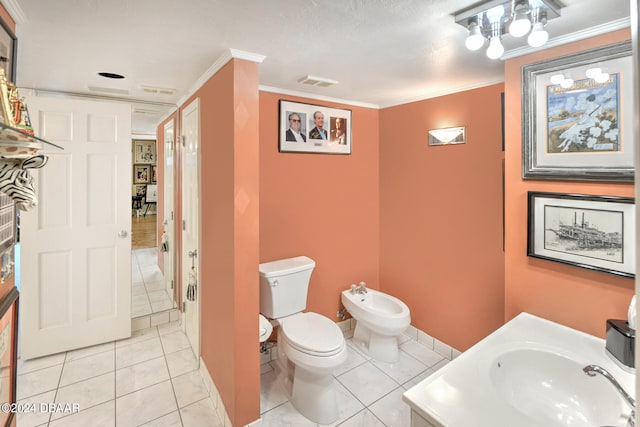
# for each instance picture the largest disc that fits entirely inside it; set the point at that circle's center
(577, 116)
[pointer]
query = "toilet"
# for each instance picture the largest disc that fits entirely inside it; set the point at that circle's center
(310, 346)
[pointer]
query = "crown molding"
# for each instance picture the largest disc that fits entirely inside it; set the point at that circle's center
(317, 97)
(436, 94)
(16, 12)
(222, 60)
(568, 38)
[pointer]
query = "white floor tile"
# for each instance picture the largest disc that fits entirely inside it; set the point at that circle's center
(272, 392)
(170, 420)
(89, 351)
(354, 358)
(138, 352)
(364, 418)
(285, 416)
(102, 415)
(403, 370)
(201, 413)
(422, 353)
(145, 405)
(189, 388)
(35, 418)
(26, 366)
(157, 306)
(367, 383)
(141, 375)
(38, 382)
(87, 367)
(392, 410)
(181, 362)
(168, 328)
(87, 393)
(348, 405)
(138, 336)
(415, 380)
(174, 341)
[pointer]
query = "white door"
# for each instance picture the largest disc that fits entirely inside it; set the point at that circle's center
(191, 223)
(168, 192)
(76, 245)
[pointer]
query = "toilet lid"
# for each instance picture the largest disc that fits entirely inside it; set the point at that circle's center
(313, 333)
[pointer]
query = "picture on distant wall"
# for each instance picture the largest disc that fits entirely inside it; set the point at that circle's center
(578, 115)
(584, 117)
(593, 232)
(141, 174)
(144, 151)
(313, 128)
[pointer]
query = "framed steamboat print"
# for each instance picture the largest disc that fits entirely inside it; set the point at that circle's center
(307, 128)
(594, 232)
(577, 116)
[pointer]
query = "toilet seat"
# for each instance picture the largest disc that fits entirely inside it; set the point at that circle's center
(313, 334)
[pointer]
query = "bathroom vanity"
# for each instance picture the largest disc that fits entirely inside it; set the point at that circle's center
(527, 373)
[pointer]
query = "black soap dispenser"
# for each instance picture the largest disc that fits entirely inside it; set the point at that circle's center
(620, 339)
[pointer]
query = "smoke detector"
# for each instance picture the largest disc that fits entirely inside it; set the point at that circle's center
(317, 81)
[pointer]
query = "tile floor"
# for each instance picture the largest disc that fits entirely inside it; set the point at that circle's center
(369, 392)
(149, 379)
(148, 293)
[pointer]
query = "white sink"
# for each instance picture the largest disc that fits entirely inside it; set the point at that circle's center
(552, 389)
(528, 373)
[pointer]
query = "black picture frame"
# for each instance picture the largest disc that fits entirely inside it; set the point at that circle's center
(8, 51)
(588, 231)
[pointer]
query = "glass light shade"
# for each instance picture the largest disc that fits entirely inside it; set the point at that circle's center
(602, 77)
(592, 73)
(495, 49)
(556, 79)
(520, 24)
(567, 83)
(538, 35)
(475, 39)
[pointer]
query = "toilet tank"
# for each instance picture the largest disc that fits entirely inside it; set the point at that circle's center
(283, 286)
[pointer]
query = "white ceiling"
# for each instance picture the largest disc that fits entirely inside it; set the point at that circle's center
(382, 52)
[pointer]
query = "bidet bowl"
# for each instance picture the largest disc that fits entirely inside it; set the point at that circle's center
(381, 313)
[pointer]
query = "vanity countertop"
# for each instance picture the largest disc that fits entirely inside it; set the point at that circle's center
(528, 364)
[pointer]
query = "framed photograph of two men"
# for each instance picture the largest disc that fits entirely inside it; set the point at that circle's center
(308, 128)
(578, 116)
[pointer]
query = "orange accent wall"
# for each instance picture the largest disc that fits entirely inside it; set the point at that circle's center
(573, 296)
(229, 236)
(160, 203)
(323, 206)
(441, 215)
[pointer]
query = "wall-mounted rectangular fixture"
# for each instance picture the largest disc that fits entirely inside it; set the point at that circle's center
(447, 136)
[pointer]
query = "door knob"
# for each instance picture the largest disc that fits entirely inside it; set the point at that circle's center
(122, 234)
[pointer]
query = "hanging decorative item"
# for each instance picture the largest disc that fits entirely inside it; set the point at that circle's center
(19, 147)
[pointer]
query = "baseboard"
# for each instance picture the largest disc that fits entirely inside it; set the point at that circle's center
(155, 319)
(214, 395)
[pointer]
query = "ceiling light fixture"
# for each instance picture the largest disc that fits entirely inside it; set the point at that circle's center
(488, 20)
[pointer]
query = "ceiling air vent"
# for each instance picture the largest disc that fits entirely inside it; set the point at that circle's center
(145, 111)
(317, 81)
(108, 90)
(158, 90)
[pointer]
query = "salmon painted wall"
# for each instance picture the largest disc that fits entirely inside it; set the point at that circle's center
(160, 203)
(229, 236)
(321, 206)
(573, 296)
(441, 215)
